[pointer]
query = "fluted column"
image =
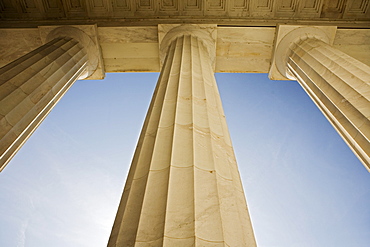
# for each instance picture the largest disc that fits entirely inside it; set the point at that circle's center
(336, 82)
(32, 85)
(184, 188)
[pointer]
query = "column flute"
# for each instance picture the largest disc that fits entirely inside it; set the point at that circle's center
(33, 84)
(184, 188)
(337, 83)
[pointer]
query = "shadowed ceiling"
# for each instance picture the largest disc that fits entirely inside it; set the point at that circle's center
(345, 13)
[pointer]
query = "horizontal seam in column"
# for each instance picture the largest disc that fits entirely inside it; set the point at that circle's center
(37, 72)
(228, 179)
(344, 60)
(151, 171)
(45, 56)
(41, 113)
(159, 170)
(334, 89)
(221, 241)
(318, 88)
(334, 105)
(319, 50)
(52, 74)
(149, 241)
(349, 139)
(147, 174)
(164, 127)
(331, 71)
(29, 55)
(4, 117)
(178, 238)
(181, 166)
(188, 126)
(213, 171)
(210, 241)
(65, 51)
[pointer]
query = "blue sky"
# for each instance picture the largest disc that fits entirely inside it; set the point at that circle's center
(304, 186)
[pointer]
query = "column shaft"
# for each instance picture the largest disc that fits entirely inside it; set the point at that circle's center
(340, 86)
(184, 188)
(31, 86)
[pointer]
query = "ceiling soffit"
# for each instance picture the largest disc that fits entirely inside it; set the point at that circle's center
(354, 13)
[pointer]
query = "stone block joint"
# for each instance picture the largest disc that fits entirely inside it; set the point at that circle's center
(184, 188)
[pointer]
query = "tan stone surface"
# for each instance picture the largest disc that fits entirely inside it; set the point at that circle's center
(286, 36)
(207, 33)
(241, 49)
(87, 36)
(185, 139)
(130, 49)
(340, 87)
(15, 43)
(184, 188)
(354, 42)
(31, 86)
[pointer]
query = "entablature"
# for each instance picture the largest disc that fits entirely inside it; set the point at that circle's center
(136, 49)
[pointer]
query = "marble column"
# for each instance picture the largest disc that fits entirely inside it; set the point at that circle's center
(183, 187)
(32, 85)
(336, 82)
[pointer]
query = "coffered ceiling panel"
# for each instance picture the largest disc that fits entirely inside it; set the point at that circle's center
(357, 8)
(152, 12)
(310, 8)
(333, 8)
(286, 8)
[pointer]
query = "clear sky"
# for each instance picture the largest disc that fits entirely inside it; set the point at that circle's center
(304, 186)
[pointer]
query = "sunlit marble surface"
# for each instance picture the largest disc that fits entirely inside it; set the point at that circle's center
(136, 49)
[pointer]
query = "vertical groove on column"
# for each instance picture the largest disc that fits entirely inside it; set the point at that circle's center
(8, 68)
(187, 196)
(31, 86)
(339, 85)
(232, 205)
(179, 224)
(208, 216)
(125, 228)
(152, 221)
(17, 85)
(322, 59)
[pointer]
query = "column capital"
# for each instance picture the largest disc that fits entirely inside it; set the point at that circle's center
(169, 32)
(285, 39)
(87, 36)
